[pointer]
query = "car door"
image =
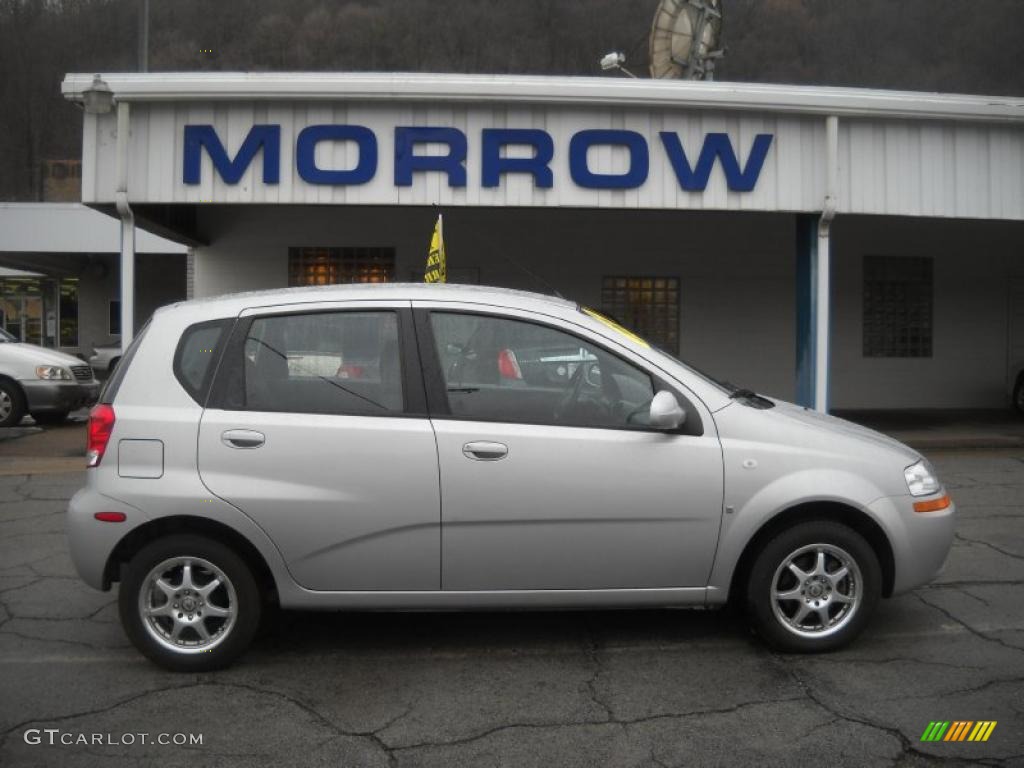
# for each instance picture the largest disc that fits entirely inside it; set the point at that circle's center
(549, 478)
(317, 429)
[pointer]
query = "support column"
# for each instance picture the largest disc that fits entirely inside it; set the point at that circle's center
(127, 228)
(813, 281)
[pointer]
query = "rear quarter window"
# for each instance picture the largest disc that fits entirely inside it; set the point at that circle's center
(196, 356)
(113, 384)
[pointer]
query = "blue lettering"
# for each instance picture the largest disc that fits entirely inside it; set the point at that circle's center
(716, 145)
(267, 137)
(639, 159)
(407, 163)
(305, 154)
(494, 165)
(580, 168)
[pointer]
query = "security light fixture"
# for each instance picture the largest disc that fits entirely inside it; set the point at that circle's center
(98, 99)
(615, 60)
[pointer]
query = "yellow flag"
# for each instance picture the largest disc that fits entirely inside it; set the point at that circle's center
(437, 262)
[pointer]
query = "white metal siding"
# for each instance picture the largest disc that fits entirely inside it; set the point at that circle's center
(792, 177)
(895, 167)
(959, 170)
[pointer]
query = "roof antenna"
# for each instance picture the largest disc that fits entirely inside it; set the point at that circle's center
(532, 274)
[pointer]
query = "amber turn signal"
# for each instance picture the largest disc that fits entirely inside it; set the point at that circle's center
(933, 505)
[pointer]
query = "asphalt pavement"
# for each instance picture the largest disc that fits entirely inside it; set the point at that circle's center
(647, 688)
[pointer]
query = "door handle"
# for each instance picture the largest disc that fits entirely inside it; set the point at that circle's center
(484, 451)
(243, 438)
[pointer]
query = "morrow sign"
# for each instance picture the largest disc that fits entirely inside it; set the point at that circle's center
(410, 159)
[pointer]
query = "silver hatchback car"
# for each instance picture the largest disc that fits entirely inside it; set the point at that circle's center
(411, 447)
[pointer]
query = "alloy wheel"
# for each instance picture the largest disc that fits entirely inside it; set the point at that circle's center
(188, 605)
(816, 590)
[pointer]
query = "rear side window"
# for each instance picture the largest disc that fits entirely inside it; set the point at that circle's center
(344, 362)
(195, 358)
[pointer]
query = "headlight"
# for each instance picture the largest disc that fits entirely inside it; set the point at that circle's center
(53, 373)
(921, 479)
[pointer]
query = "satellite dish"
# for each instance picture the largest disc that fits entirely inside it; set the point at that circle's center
(685, 39)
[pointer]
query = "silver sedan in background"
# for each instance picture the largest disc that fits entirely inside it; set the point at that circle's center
(416, 447)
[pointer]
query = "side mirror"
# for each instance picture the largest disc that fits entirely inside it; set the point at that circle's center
(666, 412)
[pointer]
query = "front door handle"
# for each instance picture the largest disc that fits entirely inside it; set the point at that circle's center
(484, 451)
(243, 438)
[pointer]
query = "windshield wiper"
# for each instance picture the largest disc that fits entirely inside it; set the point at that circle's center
(740, 392)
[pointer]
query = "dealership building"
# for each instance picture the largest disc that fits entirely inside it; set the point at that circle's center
(844, 248)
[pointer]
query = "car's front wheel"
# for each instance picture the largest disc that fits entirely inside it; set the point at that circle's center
(189, 603)
(813, 587)
(12, 404)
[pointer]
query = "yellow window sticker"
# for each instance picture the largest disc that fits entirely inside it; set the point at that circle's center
(615, 327)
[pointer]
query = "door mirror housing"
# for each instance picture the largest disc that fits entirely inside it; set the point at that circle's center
(666, 413)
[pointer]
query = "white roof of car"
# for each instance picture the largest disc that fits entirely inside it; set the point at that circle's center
(232, 303)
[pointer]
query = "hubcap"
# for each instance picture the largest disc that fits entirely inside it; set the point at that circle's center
(6, 405)
(188, 605)
(816, 590)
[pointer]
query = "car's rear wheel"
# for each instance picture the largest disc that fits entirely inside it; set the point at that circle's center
(12, 404)
(189, 603)
(813, 587)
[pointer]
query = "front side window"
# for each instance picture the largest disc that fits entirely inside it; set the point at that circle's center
(326, 362)
(499, 369)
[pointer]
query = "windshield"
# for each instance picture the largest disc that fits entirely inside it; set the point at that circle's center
(6, 337)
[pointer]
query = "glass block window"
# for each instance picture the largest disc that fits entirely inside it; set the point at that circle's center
(648, 306)
(329, 266)
(898, 306)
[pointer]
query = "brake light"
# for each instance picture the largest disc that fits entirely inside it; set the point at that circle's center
(101, 424)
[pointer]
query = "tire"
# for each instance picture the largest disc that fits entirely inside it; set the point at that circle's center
(226, 636)
(1018, 395)
(812, 618)
(12, 404)
(50, 418)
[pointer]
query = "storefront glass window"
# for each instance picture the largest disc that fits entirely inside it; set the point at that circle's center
(898, 309)
(68, 312)
(648, 306)
(329, 266)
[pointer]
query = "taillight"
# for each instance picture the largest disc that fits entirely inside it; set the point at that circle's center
(101, 424)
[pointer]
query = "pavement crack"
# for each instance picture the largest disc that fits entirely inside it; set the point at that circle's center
(5, 735)
(993, 547)
(965, 625)
(619, 722)
(318, 716)
(592, 652)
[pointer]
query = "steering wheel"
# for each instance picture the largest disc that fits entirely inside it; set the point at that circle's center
(571, 396)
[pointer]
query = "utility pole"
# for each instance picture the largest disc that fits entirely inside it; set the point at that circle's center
(143, 35)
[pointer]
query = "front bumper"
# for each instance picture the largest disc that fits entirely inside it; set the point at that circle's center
(60, 396)
(920, 540)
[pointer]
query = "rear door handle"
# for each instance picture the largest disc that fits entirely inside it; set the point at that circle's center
(243, 438)
(485, 451)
